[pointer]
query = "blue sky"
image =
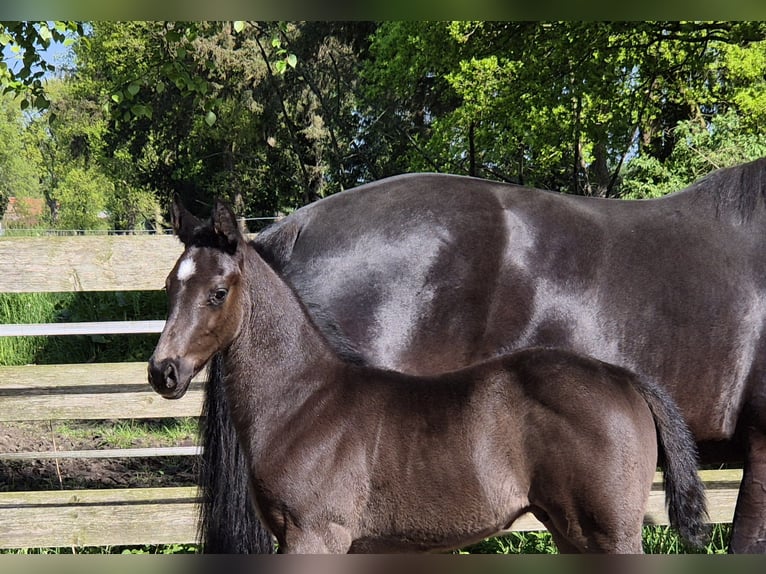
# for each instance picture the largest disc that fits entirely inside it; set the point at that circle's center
(55, 54)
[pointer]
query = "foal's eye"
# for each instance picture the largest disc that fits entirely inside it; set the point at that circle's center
(218, 296)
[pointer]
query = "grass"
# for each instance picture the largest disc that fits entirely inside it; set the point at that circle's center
(25, 308)
(131, 432)
(657, 540)
(75, 307)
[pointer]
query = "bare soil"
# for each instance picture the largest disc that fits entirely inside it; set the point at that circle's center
(75, 473)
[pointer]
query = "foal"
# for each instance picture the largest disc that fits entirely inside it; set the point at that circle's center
(347, 458)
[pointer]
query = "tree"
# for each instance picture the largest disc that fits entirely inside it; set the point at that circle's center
(699, 149)
(561, 105)
(19, 160)
(261, 113)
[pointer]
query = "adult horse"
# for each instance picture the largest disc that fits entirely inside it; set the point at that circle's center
(427, 273)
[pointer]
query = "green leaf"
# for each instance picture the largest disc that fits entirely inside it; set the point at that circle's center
(292, 60)
(140, 110)
(280, 66)
(133, 88)
(210, 118)
(239, 25)
(117, 97)
(45, 33)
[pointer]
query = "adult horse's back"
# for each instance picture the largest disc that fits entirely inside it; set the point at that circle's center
(428, 273)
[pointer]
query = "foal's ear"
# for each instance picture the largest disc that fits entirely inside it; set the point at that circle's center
(182, 220)
(225, 224)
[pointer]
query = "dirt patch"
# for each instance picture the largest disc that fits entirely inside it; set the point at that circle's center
(74, 473)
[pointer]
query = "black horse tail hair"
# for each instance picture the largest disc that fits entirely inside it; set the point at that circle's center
(678, 459)
(228, 523)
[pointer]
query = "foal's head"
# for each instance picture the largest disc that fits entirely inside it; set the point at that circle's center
(205, 290)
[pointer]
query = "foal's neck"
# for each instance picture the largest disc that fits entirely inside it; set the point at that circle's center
(279, 343)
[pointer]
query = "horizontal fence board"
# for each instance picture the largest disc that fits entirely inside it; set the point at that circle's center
(88, 328)
(722, 487)
(86, 263)
(120, 516)
(105, 453)
(111, 517)
(89, 391)
(135, 405)
(75, 375)
(65, 377)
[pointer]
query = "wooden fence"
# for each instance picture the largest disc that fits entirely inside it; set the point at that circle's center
(130, 516)
(104, 517)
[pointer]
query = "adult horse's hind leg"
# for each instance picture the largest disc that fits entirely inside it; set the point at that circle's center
(749, 530)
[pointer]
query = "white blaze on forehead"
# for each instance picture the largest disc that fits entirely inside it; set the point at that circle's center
(186, 269)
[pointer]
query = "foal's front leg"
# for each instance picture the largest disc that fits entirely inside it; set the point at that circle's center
(334, 540)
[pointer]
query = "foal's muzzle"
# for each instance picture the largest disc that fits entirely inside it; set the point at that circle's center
(170, 377)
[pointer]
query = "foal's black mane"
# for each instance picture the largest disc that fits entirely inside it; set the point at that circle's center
(735, 190)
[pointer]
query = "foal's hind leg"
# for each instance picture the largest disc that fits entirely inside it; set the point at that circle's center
(581, 535)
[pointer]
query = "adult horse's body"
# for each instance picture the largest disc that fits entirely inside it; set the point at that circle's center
(347, 457)
(429, 273)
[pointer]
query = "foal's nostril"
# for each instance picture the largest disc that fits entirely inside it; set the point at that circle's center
(169, 374)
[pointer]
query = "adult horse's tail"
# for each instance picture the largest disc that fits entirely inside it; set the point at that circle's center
(684, 491)
(228, 524)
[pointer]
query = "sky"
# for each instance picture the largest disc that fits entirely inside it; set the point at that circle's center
(55, 54)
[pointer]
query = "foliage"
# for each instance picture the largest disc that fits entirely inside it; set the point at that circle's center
(700, 149)
(27, 40)
(260, 113)
(561, 105)
(82, 194)
(18, 160)
(273, 115)
(656, 540)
